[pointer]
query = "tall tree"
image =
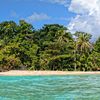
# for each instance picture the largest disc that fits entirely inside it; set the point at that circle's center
(55, 51)
(94, 57)
(83, 47)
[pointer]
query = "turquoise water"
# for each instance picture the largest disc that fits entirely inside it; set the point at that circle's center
(83, 87)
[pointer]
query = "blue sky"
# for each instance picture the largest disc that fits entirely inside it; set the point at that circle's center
(37, 12)
(77, 15)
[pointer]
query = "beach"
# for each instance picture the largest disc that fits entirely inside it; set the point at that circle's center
(40, 73)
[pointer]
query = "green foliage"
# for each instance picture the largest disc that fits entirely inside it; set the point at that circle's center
(97, 45)
(50, 48)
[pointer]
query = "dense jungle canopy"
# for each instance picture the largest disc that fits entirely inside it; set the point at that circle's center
(52, 47)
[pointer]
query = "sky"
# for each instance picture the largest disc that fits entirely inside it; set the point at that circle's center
(77, 15)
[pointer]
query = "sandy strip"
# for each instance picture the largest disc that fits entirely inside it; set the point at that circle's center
(34, 73)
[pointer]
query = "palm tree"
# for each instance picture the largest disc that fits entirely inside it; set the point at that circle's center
(64, 36)
(82, 46)
(83, 42)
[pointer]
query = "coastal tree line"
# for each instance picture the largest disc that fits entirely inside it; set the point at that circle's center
(52, 47)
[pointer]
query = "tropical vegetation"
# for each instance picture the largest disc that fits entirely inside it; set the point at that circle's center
(53, 47)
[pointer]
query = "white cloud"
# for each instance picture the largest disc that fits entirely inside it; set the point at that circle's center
(87, 18)
(61, 2)
(37, 17)
(42, 16)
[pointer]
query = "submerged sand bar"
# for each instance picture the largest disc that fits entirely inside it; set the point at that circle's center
(36, 73)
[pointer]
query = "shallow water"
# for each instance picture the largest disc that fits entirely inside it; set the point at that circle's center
(83, 87)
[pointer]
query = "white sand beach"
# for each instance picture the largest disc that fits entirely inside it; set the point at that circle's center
(34, 73)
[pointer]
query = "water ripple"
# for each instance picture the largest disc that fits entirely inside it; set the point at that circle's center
(82, 87)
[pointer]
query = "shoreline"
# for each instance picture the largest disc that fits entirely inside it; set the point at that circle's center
(45, 73)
